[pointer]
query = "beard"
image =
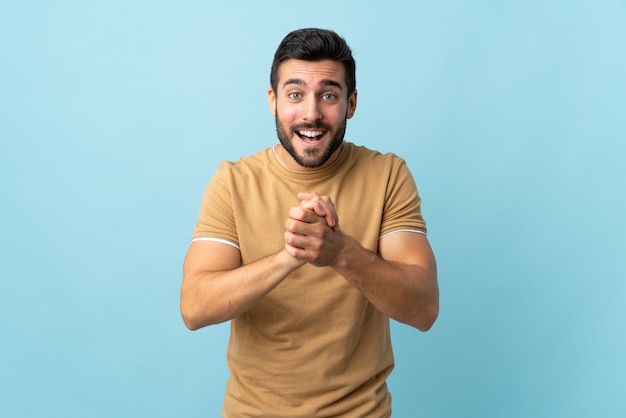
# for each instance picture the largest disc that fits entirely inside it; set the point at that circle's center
(310, 158)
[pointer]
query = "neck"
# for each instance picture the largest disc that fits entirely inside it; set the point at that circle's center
(286, 160)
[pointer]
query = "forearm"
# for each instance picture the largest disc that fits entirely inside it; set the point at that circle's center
(211, 297)
(405, 292)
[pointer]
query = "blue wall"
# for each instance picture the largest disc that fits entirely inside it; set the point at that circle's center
(511, 115)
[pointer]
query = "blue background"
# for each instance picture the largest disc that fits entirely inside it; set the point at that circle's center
(511, 115)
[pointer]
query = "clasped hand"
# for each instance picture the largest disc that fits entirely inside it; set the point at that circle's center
(312, 233)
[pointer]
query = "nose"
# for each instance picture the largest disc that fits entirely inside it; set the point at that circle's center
(311, 109)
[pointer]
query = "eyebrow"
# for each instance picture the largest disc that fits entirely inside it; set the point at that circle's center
(324, 82)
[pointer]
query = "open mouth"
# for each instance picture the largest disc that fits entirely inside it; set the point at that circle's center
(310, 136)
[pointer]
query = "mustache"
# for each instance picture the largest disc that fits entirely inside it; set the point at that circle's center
(311, 126)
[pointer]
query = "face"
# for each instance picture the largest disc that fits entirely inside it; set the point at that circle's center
(311, 107)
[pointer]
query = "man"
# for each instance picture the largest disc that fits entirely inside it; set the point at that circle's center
(309, 247)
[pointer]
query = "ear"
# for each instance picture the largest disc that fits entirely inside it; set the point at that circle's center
(271, 101)
(352, 104)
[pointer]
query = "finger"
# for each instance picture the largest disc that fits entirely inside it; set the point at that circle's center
(307, 196)
(295, 252)
(313, 210)
(322, 206)
(314, 206)
(329, 216)
(303, 214)
(299, 246)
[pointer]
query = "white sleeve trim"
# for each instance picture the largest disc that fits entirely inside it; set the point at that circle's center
(416, 231)
(223, 241)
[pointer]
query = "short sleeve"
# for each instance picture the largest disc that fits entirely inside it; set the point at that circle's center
(216, 219)
(402, 202)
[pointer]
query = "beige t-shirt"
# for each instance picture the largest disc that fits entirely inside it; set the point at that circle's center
(313, 346)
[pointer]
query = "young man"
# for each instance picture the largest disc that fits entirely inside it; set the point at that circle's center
(309, 247)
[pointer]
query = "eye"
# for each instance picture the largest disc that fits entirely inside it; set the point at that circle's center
(329, 96)
(295, 95)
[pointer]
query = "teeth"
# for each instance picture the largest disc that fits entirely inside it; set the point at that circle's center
(311, 134)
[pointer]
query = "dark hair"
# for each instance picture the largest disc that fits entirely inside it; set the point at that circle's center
(315, 45)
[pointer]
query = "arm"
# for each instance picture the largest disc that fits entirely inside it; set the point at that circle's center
(217, 288)
(401, 280)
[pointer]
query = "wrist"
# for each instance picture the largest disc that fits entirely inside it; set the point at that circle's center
(345, 253)
(283, 258)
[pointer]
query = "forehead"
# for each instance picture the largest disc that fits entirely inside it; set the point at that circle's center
(311, 72)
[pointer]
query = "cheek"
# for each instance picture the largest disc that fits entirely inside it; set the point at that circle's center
(338, 115)
(287, 114)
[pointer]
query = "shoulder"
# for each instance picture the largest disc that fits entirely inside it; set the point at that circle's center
(364, 153)
(369, 159)
(254, 164)
(253, 160)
